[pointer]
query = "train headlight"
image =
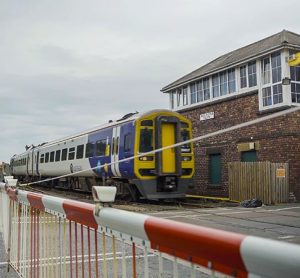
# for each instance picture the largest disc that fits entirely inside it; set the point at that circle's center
(186, 158)
(146, 158)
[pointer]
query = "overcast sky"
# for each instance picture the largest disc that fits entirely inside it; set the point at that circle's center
(69, 65)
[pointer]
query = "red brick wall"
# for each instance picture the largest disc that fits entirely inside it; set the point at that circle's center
(279, 141)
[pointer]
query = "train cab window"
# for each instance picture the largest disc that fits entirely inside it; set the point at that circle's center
(89, 150)
(100, 147)
(47, 158)
(146, 140)
(79, 152)
(186, 148)
(42, 159)
(71, 153)
(127, 142)
(52, 156)
(57, 155)
(64, 154)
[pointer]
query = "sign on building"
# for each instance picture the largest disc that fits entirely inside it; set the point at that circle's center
(207, 116)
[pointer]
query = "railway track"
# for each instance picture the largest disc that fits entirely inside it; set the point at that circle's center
(143, 206)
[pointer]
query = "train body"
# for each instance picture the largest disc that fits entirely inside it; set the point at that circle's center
(162, 175)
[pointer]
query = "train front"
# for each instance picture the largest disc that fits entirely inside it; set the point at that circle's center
(165, 174)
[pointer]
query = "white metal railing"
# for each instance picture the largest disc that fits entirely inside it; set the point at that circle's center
(47, 236)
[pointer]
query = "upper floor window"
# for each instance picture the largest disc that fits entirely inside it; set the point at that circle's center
(193, 93)
(179, 97)
(243, 77)
(215, 85)
(295, 82)
(200, 91)
(184, 95)
(266, 71)
(248, 77)
(223, 83)
(231, 81)
(276, 67)
(179, 93)
(271, 80)
(252, 74)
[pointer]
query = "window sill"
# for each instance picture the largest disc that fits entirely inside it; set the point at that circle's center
(272, 108)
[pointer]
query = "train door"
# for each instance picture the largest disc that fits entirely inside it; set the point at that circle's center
(115, 151)
(167, 133)
(168, 155)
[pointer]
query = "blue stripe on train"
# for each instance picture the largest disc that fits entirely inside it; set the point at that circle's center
(126, 168)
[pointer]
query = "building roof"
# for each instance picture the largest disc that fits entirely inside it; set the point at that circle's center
(281, 39)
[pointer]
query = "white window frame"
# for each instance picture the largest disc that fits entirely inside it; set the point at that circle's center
(270, 84)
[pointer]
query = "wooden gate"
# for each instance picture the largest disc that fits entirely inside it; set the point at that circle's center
(263, 180)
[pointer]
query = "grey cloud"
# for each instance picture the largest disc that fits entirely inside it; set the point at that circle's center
(70, 65)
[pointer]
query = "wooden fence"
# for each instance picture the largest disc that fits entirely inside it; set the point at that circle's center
(263, 180)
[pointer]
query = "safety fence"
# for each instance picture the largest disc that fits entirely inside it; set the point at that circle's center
(47, 236)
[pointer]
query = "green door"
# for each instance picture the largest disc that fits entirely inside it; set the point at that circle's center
(215, 168)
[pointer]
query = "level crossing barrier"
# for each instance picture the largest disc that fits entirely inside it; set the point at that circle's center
(47, 236)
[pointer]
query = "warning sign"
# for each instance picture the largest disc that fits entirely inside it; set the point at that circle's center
(280, 173)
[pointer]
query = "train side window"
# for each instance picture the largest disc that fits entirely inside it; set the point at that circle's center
(57, 155)
(52, 156)
(42, 159)
(146, 140)
(47, 158)
(71, 153)
(64, 154)
(79, 152)
(89, 150)
(127, 142)
(100, 147)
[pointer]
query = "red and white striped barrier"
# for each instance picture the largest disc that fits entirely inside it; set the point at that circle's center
(195, 247)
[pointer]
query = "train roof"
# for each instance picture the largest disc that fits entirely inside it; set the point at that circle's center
(127, 118)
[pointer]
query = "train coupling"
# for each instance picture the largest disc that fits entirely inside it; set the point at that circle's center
(169, 184)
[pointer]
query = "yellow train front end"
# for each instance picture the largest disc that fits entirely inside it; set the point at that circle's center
(167, 173)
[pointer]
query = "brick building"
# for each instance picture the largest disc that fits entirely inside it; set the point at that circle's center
(245, 84)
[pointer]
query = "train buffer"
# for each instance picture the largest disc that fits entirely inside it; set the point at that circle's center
(47, 236)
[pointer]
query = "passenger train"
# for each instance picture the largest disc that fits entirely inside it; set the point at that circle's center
(160, 175)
